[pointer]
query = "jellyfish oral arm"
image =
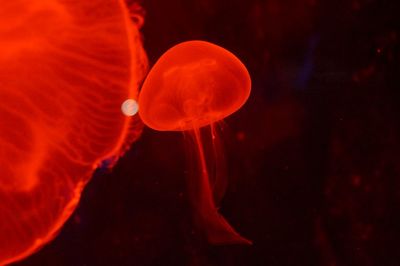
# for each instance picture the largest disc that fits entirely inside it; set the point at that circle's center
(217, 230)
(220, 182)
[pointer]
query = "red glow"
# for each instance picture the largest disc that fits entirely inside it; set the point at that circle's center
(65, 69)
(196, 84)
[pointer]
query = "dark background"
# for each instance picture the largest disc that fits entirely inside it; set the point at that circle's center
(314, 158)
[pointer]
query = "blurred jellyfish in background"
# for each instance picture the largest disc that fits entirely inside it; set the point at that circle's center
(65, 69)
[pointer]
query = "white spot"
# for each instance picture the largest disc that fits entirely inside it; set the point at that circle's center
(129, 107)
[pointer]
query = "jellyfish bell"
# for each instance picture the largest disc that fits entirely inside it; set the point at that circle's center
(65, 68)
(195, 84)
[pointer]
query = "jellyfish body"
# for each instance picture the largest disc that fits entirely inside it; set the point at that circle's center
(194, 85)
(65, 69)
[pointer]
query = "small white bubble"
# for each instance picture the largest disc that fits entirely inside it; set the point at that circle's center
(129, 107)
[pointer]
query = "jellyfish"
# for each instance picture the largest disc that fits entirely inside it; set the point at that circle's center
(65, 69)
(192, 87)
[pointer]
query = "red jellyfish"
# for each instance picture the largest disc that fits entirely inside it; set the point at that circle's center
(191, 87)
(66, 66)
